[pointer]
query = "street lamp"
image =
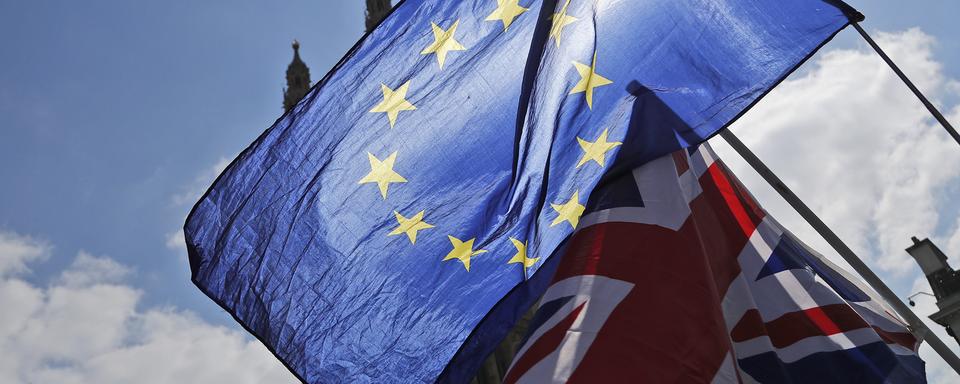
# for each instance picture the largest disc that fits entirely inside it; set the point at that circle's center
(944, 281)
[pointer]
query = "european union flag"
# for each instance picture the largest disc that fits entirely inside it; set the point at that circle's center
(394, 224)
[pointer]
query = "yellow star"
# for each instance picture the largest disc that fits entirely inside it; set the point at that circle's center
(462, 250)
(521, 256)
(381, 172)
(569, 211)
(506, 11)
(560, 20)
(596, 150)
(589, 79)
(410, 226)
(443, 42)
(393, 102)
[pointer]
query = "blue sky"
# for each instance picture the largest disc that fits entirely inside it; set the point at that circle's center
(109, 109)
(113, 113)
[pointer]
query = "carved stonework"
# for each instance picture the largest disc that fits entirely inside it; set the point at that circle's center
(298, 79)
(376, 10)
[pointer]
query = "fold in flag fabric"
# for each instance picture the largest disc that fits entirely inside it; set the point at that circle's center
(395, 223)
(677, 275)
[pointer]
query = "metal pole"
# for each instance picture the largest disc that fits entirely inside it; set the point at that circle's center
(858, 265)
(926, 103)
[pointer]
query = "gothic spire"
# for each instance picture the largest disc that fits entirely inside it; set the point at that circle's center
(298, 79)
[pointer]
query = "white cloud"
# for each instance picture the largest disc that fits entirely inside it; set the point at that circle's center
(187, 197)
(16, 251)
(192, 192)
(952, 245)
(86, 327)
(852, 141)
(953, 86)
(176, 240)
(88, 270)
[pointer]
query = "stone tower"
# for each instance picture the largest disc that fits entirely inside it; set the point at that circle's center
(298, 79)
(376, 10)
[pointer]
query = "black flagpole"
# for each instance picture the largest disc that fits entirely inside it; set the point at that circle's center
(918, 327)
(926, 103)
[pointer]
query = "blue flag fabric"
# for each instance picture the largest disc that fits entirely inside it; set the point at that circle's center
(391, 226)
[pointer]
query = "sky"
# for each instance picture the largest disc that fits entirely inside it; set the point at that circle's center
(115, 116)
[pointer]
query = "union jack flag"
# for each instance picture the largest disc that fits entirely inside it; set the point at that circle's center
(677, 275)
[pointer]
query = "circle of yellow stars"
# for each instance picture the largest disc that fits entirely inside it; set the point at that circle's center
(395, 100)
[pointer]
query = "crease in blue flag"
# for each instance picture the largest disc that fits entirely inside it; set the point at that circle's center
(390, 228)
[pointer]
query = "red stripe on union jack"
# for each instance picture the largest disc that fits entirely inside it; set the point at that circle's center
(698, 284)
